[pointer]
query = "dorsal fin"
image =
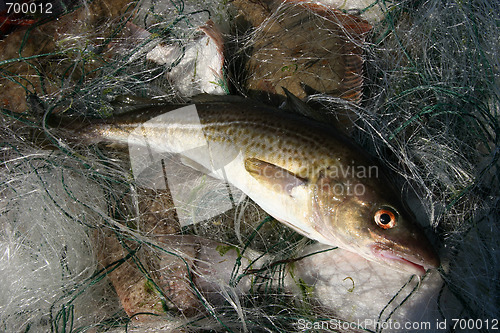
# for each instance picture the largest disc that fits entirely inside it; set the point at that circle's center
(296, 105)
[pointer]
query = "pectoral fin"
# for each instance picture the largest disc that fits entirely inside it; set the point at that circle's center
(277, 178)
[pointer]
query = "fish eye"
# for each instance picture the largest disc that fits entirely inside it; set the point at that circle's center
(385, 218)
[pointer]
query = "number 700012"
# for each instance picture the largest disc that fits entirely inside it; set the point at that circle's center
(29, 8)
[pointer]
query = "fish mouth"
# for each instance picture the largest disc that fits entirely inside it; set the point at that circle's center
(405, 262)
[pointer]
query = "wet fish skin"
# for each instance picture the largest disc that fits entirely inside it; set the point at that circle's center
(302, 172)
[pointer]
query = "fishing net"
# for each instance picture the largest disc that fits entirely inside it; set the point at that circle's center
(86, 248)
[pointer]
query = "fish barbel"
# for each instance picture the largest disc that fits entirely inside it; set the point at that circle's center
(303, 173)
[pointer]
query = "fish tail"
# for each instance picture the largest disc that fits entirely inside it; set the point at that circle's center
(51, 129)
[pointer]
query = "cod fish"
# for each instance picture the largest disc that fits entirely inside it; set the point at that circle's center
(304, 173)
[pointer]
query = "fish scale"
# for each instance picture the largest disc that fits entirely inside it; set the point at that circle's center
(268, 133)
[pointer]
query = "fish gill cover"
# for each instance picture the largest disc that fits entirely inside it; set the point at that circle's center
(84, 248)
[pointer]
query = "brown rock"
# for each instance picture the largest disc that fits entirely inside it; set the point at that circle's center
(304, 48)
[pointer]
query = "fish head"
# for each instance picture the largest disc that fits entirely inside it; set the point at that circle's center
(366, 217)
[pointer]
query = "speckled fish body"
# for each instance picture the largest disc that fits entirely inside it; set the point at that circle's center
(303, 173)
